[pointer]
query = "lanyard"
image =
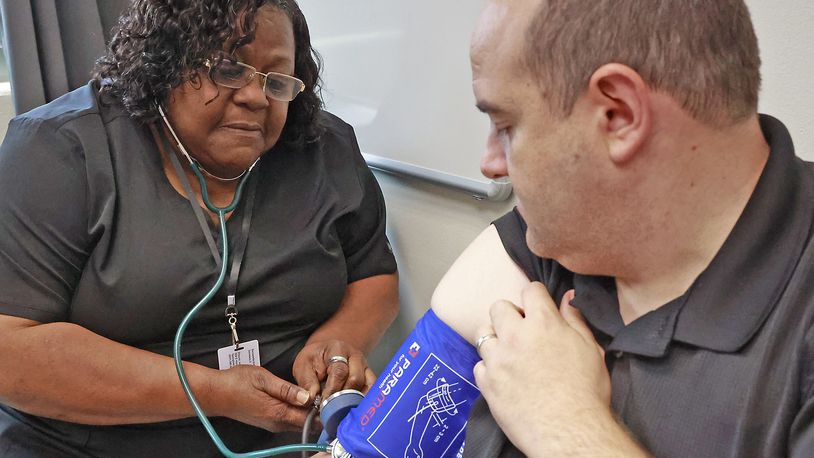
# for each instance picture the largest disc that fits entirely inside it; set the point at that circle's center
(240, 249)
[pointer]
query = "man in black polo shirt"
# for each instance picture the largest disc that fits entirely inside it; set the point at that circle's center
(681, 220)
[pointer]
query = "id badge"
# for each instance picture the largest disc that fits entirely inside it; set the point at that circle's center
(248, 353)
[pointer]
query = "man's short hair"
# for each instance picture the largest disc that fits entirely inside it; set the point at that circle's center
(703, 53)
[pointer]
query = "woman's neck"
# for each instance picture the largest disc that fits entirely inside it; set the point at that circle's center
(220, 193)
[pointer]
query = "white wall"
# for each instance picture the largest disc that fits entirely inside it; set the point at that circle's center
(415, 77)
(431, 225)
(786, 40)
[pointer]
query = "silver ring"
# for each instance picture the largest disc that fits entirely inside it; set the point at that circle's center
(338, 359)
(482, 339)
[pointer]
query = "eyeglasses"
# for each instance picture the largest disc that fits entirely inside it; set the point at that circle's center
(230, 73)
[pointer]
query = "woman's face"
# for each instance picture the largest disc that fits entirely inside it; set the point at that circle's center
(237, 125)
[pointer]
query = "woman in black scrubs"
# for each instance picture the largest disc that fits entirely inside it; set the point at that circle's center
(106, 244)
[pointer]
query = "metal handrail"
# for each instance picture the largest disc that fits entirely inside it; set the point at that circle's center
(493, 190)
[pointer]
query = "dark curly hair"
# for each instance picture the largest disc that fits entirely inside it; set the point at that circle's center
(158, 44)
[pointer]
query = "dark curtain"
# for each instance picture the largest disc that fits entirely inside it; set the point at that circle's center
(51, 45)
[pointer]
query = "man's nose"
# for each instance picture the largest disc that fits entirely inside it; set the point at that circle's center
(493, 163)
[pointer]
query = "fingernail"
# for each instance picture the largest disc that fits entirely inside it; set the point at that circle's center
(303, 396)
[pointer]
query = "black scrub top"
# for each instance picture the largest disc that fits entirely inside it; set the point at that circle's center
(94, 234)
(727, 368)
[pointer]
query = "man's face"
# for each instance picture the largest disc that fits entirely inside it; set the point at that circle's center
(547, 156)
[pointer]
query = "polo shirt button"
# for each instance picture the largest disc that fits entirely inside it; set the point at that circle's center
(618, 353)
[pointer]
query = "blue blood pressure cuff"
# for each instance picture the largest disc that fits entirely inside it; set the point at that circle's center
(421, 401)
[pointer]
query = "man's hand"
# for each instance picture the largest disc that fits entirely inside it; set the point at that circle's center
(253, 395)
(544, 374)
(313, 366)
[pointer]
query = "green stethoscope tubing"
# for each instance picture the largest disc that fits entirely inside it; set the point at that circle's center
(176, 346)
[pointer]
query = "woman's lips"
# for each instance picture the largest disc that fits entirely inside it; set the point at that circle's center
(244, 127)
(246, 132)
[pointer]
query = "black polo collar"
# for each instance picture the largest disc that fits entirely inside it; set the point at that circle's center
(730, 300)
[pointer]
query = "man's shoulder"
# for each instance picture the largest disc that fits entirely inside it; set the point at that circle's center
(511, 229)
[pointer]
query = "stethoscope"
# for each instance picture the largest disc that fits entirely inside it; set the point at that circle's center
(176, 346)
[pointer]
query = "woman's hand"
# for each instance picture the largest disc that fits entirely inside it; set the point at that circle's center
(253, 395)
(313, 366)
(368, 307)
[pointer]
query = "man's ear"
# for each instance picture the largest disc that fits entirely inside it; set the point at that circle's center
(622, 104)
